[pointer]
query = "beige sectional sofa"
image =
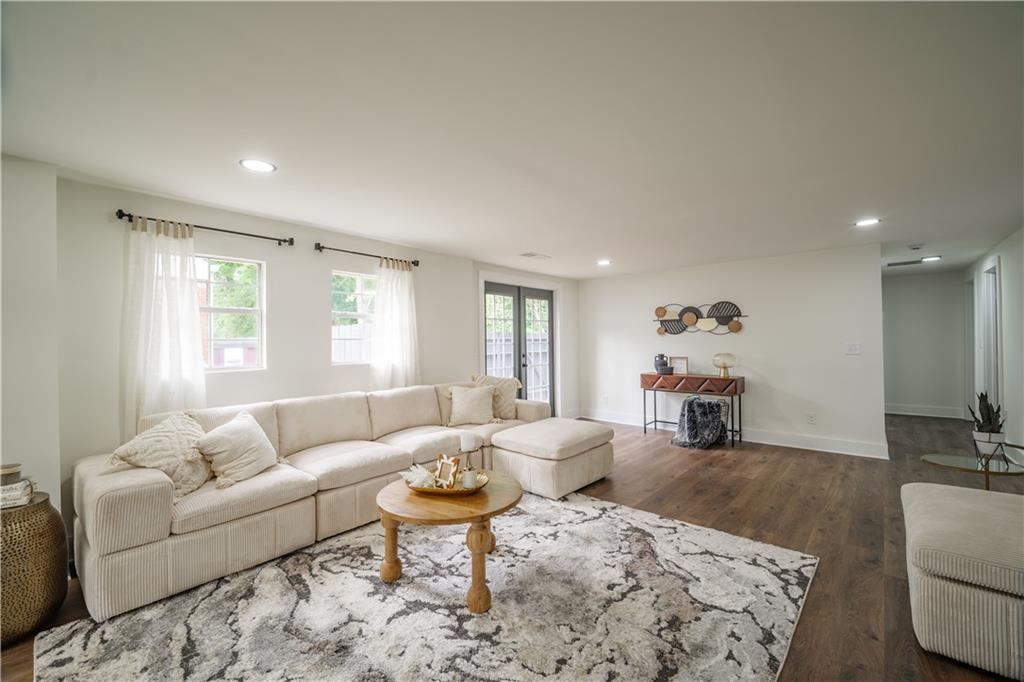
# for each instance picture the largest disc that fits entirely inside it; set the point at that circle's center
(134, 544)
(965, 565)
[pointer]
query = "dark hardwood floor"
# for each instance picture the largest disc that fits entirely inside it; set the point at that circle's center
(846, 510)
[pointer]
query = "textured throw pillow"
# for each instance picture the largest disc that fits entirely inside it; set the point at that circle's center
(237, 450)
(505, 389)
(170, 446)
(471, 405)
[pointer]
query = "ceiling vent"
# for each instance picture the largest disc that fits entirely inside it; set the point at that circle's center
(535, 255)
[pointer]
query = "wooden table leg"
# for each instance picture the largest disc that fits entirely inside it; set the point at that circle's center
(494, 540)
(478, 540)
(391, 567)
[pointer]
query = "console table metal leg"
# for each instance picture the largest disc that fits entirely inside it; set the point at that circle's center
(655, 393)
(739, 416)
(732, 422)
(644, 391)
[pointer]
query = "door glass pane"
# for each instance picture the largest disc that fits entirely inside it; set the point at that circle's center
(538, 349)
(499, 327)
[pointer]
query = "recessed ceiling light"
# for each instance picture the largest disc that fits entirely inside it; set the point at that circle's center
(604, 261)
(868, 222)
(258, 166)
(930, 259)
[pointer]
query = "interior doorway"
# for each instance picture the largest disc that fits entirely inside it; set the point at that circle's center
(988, 368)
(970, 348)
(519, 338)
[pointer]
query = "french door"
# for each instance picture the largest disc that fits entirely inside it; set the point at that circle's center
(519, 338)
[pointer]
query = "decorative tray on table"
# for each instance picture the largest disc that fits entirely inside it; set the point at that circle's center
(457, 489)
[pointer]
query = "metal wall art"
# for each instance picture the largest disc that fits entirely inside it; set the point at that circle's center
(718, 318)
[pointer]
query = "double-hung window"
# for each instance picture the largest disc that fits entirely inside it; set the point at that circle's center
(231, 312)
(352, 298)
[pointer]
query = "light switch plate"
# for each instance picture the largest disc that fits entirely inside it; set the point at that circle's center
(852, 348)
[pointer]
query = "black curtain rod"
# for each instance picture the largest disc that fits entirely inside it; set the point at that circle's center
(320, 247)
(290, 241)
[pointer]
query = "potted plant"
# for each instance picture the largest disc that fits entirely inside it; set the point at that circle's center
(988, 426)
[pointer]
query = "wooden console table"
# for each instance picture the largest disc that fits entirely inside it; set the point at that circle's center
(702, 384)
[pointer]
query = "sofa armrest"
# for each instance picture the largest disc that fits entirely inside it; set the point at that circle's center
(121, 506)
(532, 410)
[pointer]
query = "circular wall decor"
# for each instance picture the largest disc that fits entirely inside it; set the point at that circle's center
(717, 318)
(723, 311)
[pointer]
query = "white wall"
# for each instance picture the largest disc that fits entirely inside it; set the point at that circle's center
(924, 344)
(30, 322)
(803, 309)
(1010, 256)
(91, 253)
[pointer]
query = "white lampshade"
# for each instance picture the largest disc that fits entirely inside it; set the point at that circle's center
(721, 360)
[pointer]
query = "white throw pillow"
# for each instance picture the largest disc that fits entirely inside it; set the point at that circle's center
(505, 389)
(471, 405)
(170, 446)
(237, 450)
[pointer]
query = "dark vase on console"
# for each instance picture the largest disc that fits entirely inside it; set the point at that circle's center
(661, 364)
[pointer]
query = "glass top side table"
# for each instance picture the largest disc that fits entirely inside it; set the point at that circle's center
(997, 465)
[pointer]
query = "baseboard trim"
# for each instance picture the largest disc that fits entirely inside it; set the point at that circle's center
(925, 411)
(789, 440)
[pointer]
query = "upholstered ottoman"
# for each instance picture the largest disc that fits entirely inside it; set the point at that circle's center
(965, 564)
(553, 457)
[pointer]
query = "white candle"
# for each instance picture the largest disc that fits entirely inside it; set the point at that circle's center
(469, 478)
(467, 441)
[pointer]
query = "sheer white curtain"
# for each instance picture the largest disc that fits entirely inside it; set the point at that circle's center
(161, 350)
(394, 350)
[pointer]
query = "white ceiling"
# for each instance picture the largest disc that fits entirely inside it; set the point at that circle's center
(652, 134)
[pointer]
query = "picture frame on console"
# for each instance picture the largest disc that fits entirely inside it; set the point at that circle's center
(679, 363)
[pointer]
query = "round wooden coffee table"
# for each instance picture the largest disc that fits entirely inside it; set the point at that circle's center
(398, 505)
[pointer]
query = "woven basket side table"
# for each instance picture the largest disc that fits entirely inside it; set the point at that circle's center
(34, 561)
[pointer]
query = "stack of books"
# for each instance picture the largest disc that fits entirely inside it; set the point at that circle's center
(15, 491)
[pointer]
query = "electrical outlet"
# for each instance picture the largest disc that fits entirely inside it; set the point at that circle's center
(604, 400)
(812, 419)
(852, 348)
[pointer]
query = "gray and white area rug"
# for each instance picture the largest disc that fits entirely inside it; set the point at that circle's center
(582, 589)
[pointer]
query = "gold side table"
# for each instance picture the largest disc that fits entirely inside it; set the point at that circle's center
(33, 566)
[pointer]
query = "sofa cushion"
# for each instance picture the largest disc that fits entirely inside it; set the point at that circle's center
(403, 408)
(237, 450)
(210, 505)
(424, 442)
(170, 447)
(553, 438)
(336, 465)
(444, 397)
(973, 536)
(505, 391)
(487, 431)
(306, 422)
(210, 418)
(472, 405)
